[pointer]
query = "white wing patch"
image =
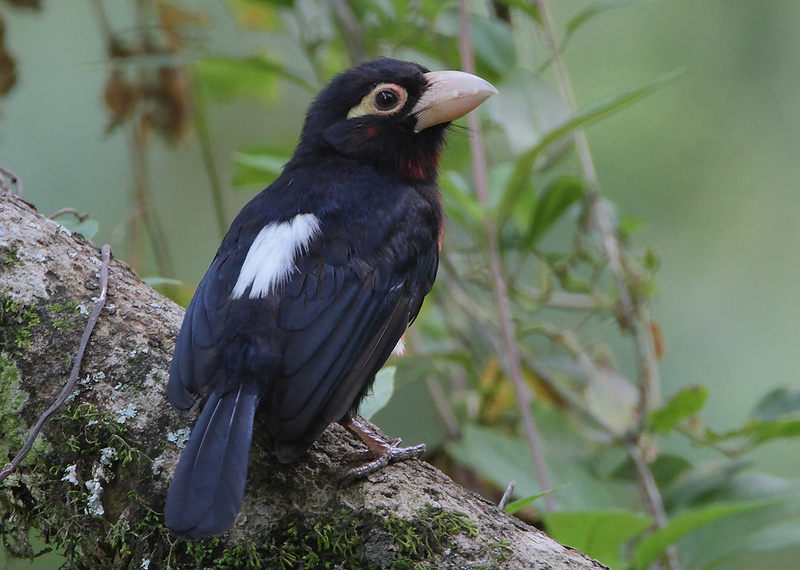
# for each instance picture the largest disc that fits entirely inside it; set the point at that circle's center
(270, 259)
(400, 347)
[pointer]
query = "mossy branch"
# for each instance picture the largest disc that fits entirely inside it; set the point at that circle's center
(94, 484)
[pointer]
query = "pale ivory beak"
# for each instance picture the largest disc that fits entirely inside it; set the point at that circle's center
(449, 96)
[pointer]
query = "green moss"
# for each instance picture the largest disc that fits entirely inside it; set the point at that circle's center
(65, 316)
(12, 399)
(429, 533)
(16, 322)
(332, 540)
(338, 542)
(9, 255)
(95, 430)
(93, 447)
(335, 543)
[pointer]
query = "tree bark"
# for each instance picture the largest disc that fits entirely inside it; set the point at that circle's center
(95, 482)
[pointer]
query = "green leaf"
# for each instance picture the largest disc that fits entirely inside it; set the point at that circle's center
(526, 7)
(515, 506)
(500, 457)
(760, 432)
(593, 9)
(771, 528)
(652, 547)
(551, 205)
(666, 469)
(460, 201)
(157, 281)
(775, 537)
(382, 391)
(493, 43)
(628, 225)
(779, 402)
(683, 405)
(257, 166)
(704, 482)
(600, 534)
(520, 178)
(87, 228)
(224, 78)
(525, 108)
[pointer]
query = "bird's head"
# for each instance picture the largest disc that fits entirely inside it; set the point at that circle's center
(391, 114)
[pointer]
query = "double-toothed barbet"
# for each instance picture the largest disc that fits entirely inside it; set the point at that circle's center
(315, 284)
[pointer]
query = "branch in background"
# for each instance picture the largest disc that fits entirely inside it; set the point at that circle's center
(498, 277)
(353, 36)
(143, 207)
(142, 210)
(201, 127)
(635, 316)
(653, 496)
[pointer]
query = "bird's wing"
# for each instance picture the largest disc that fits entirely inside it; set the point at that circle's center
(196, 369)
(313, 344)
(341, 324)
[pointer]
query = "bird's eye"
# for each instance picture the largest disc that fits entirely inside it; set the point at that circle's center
(386, 99)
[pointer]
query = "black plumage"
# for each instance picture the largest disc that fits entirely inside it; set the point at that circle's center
(313, 286)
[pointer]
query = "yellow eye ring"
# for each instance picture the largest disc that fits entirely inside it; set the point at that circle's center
(383, 99)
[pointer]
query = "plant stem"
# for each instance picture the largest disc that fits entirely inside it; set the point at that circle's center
(635, 315)
(499, 287)
(201, 126)
(143, 206)
(352, 35)
(653, 496)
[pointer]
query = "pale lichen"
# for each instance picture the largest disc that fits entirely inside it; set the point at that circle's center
(71, 475)
(179, 437)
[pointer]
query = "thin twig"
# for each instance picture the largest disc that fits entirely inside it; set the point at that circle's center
(507, 495)
(588, 302)
(143, 205)
(10, 182)
(76, 367)
(201, 126)
(653, 496)
(635, 315)
(435, 389)
(499, 286)
(73, 211)
(353, 35)
(443, 407)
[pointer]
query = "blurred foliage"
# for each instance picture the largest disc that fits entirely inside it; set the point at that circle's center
(602, 424)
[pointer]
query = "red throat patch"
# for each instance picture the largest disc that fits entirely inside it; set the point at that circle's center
(421, 167)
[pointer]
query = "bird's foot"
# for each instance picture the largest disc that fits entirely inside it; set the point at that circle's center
(380, 450)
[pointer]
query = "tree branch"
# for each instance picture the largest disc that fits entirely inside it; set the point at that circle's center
(94, 483)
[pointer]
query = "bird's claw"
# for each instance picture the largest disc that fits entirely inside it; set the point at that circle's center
(364, 454)
(389, 452)
(380, 450)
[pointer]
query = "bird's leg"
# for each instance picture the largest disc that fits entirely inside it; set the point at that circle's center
(380, 450)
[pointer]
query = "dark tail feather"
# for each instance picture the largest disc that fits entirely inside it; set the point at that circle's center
(208, 485)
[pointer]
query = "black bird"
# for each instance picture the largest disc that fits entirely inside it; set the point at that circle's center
(315, 284)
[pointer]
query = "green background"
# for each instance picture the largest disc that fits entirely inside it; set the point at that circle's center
(711, 164)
